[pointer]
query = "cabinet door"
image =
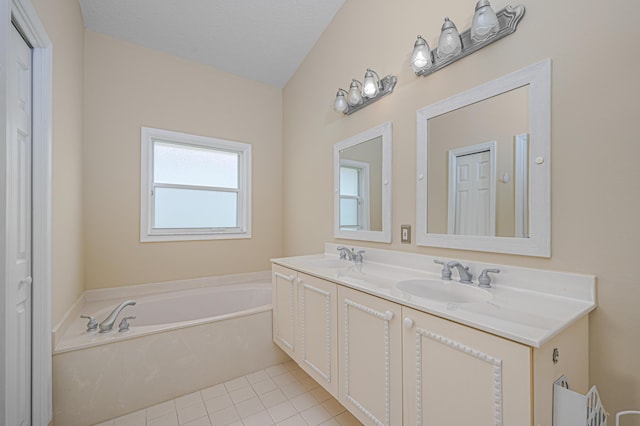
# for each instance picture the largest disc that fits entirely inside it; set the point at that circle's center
(284, 294)
(370, 339)
(317, 332)
(455, 375)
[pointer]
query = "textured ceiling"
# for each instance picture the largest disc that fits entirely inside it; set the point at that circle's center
(263, 40)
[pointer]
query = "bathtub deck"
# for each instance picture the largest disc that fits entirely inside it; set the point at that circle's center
(283, 395)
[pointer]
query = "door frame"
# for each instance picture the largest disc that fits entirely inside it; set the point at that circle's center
(25, 18)
(490, 146)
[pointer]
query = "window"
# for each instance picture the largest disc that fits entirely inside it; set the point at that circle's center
(194, 187)
(354, 195)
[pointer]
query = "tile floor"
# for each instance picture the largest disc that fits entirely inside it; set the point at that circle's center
(283, 395)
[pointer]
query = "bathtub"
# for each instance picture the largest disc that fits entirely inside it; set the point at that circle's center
(179, 342)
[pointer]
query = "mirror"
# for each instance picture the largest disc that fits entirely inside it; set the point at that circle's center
(484, 168)
(362, 186)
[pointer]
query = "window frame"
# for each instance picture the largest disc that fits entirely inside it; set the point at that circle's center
(149, 234)
(363, 197)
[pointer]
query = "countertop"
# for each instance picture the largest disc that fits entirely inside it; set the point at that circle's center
(526, 305)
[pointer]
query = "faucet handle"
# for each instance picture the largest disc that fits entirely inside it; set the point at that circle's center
(484, 280)
(343, 252)
(446, 271)
(92, 325)
(124, 324)
(358, 258)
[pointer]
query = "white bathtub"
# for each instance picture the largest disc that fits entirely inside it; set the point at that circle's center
(180, 342)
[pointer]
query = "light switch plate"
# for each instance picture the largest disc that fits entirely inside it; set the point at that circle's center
(405, 234)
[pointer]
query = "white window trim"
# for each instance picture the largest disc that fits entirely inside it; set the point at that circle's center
(147, 234)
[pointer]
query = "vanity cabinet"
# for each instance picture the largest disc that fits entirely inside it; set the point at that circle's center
(304, 323)
(392, 365)
(370, 337)
(455, 375)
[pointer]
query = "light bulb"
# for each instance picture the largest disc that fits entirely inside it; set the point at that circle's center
(370, 84)
(354, 97)
(449, 43)
(340, 104)
(421, 56)
(485, 22)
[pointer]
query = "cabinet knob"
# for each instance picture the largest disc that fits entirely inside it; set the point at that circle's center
(408, 323)
(298, 281)
(388, 315)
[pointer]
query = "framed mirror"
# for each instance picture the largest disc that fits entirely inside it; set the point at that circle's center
(483, 172)
(362, 186)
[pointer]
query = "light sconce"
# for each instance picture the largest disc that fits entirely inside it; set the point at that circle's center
(362, 94)
(486, 27)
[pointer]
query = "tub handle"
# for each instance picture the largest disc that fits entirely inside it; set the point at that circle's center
(124, 324)
(92, 325)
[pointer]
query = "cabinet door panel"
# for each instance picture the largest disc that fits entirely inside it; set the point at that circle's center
(455, 375)
(317, 331)
(283, 297)
(370, 357)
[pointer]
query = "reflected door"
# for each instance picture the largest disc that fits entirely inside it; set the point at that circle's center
(472, 191)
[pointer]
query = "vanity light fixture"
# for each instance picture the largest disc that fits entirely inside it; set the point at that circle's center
(362, 94)
(487, 27)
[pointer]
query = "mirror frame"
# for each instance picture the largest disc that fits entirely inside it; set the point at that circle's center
(385, 131)
(538, 78)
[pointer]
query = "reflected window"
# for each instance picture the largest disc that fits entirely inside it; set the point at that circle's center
(354, 195)
(194, 187)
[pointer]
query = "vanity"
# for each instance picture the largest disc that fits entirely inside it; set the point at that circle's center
(397, 345)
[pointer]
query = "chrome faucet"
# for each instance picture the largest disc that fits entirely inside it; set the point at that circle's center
(107, 325)
(463, 271)
(353, 255)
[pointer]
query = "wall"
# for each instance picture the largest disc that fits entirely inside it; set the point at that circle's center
(62, 20)
(595, 201)
(127, 87)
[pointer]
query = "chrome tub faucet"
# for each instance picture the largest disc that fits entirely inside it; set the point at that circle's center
(353, 255)
(107, 325)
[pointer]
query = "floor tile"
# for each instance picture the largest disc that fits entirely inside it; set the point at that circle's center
(261, 418)
(256, 377)
(304, 401)
(293, 389)
(160, 409)
(264, 386)
(249, 407)
(218, 403)
(236, 384)
(167, 419)
(191, 412)
(107, 423)
(242, 394)
(309, 383)
(202, 421)
(284, 379)
(225, 416)
(316, 415)
(185, 401)
(272, 398)
(282, 411)
(213, 391)
(296, 420)
(331, 422)
(320, 394)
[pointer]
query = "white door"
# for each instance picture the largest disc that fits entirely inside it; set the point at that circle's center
(472, 190)
(18, 395)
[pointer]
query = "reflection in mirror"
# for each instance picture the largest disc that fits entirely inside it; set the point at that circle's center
(362, 166)
(483, 167)
(477, 163)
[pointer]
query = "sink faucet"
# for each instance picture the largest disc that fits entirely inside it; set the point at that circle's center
(463, 271)
(353, 255)
(107, 325)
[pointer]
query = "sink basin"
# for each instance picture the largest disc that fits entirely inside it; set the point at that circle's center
(444, 291)
(331, 263)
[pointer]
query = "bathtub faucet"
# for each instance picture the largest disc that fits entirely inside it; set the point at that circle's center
(107, 325)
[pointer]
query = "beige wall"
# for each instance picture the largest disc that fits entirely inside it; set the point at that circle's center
(595, 200)
(128, 86)
(62, 20)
